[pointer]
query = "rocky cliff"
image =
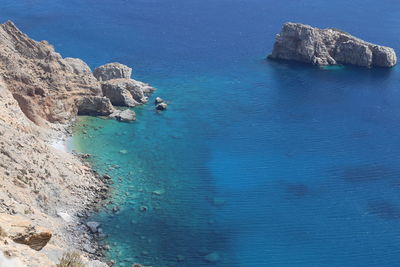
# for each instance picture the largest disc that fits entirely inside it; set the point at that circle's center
(307, 44)
(37, 183)
(45, 192)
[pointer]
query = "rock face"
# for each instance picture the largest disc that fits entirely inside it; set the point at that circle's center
(45, 85)
(306, 44)
(38, 181)
(124, 92)
(112, 71)
(22, 231)
(95, 106)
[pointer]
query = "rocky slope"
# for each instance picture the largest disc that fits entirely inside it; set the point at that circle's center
(45, 192)
(304, 43)
(37, 183)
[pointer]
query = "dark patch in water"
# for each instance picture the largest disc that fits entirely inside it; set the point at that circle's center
(297, 190)
(368, 173)
(384, 209)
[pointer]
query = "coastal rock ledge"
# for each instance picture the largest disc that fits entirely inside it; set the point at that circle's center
(303, 43)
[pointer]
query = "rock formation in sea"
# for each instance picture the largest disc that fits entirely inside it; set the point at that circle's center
(117, 85)
(303, 43)
(45, 191)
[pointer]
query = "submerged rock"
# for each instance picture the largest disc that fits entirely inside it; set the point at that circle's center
(112, 71)
(306, 44)
(213, 257)
(126, 115)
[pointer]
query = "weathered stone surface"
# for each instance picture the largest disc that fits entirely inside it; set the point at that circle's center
(304, 43)
(124, 115)
(116, 90)
(45, 85)
(95, 106)
(112, 71)
(24, 232)
(78, 65)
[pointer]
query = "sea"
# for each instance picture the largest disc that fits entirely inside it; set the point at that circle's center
(255, 162)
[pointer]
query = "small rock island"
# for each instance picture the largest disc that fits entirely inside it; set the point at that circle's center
(303, 43)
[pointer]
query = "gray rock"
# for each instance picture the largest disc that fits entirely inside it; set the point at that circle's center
(95, 106)
(124, 115)
(161, 106)
(93, 226)
(158, 100)
(78, 66)
(112, 71)
(304, 43)
(126, 92)
(66, 217)
(116, 90)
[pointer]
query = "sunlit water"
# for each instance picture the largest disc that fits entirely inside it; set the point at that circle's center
(262, 163)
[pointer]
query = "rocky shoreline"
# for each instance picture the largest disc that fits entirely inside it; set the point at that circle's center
(46, 193)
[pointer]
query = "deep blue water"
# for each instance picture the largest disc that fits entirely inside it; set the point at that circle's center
(264, 163)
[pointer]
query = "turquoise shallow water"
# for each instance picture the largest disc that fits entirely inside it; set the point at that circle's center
(264, 163)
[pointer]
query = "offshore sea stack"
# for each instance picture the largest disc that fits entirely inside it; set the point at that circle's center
(303, 43)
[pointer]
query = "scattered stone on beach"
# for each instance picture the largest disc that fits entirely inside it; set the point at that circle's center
(158, 100)
(66, 217)
(93, 226)
(112, 71)
(161, 106)
(307, 44)
(88, 249)
(213, 257)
